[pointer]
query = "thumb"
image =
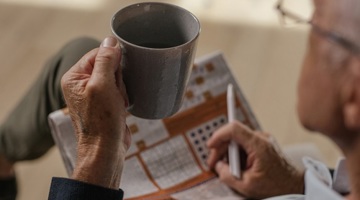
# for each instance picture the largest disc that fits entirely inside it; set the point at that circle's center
(225, 176)
(223, 170)
(107, 60)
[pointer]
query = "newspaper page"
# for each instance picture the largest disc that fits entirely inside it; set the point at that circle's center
(167, 158)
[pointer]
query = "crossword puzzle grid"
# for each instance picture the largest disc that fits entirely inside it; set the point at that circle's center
(171, 162)
(145, 133)
(135, 176)
(199, 135)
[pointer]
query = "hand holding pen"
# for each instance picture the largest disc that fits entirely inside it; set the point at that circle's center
(260, 171)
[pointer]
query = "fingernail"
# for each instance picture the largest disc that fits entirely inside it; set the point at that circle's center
(109, 42)
(219, 165)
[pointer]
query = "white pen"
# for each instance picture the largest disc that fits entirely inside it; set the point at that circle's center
(234, 155)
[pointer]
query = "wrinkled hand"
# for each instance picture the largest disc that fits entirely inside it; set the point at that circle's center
(96, 97)
(267, 173)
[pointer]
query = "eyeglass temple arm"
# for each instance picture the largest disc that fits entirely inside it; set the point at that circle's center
(291, 15)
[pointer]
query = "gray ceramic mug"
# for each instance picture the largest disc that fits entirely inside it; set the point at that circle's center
(158, 42)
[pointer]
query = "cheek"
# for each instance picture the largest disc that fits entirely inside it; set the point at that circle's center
(305, 78)
(316, 104)
(308, 87)
(305, 93)
(315, 94)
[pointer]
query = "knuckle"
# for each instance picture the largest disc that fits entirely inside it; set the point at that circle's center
(106, 56)
(66, 86)
(234, 126)
(64, 81)
(265, 135)
(264, 138)
(93, 89)
(240, 128)
(266, 147)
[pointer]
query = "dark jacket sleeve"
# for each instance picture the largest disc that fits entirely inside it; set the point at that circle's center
(69, 189)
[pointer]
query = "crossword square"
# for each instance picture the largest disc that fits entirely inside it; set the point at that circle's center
(163, 162)
(207, 95)
(141, 144)
(189, 94)
(210, 67)
(199, 80)
(133, 128)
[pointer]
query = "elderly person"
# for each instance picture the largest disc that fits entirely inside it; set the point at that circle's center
(328, 102)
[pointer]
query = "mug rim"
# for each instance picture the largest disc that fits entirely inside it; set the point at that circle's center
(159, 3)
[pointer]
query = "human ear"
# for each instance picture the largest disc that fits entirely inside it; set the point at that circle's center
(351, 106)
(352, 116)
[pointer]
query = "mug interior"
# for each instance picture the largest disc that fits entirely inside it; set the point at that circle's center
(155, 25)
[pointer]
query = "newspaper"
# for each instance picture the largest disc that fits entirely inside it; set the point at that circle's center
(167, 158)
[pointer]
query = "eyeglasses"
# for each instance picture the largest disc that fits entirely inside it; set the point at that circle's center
(286, 15)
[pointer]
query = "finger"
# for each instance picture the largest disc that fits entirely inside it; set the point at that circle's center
(236, 131)
(216, 154)
(106, 61)
(124, 94)
(223, 171)
(127, 139)
(119, 75)
(86, 63)
(80, 70)
(121, 85)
